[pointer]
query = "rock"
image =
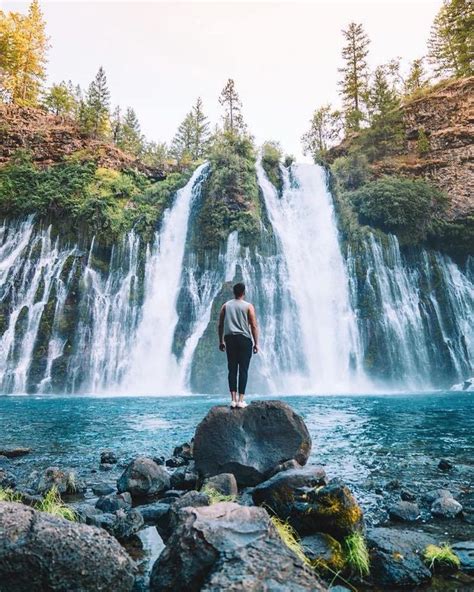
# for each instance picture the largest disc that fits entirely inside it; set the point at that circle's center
(172, 493)
(105, 521)
(14, 452)
(155, 514)
(433, 495)
(143, 478)
(228, 547)
(465, 552)
(175, 462)
(403, 511)
(159, 460)
(250, 442)
(101, 489)
(108, 457)
(85, 511)
(185, 477)
(395, 558)
(127, 524)
(193, 499)
(106, 467)
(224, 483)
(392, 485)
(185, 451)
(407, 496)
(310, 506)
(286, 466)
(65, 482)
(114, 502)
(446, 507)
(325, 553)
(7, 479)
(445, 465)
(43, 552)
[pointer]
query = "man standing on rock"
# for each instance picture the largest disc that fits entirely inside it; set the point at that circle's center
(237, 326)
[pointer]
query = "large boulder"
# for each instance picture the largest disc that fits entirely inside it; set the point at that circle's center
(225, 484)
(228, 547)
(143, 478)
(43, 552)
(65, 481)
(250, 442)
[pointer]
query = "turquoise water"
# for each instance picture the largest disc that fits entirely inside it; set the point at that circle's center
(366, 440)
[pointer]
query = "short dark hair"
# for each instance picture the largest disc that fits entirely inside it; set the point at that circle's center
(239, 290)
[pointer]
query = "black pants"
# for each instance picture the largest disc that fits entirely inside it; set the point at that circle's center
(239, 354)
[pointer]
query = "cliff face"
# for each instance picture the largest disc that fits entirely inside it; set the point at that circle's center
(52, 138)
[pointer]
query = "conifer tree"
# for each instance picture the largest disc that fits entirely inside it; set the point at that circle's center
(94, 112)
(417, 78)
(325, 128)
(230, 100)
(183, 141)
(201, 134)
(60, 100)
(355, 74)
(451, 43)
(116, 125)
(130, 137)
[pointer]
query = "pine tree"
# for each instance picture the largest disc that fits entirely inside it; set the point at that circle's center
(130, 137)
(382, 97)
(183, 141)
(94, 112)
(417, 78)
(230, 100)
(325, 128)
(116, 125)
(355, 74)
(60, 100)
(155, 155)
(451, 43)
(201, 133)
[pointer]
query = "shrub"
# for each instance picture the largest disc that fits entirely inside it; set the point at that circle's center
(53, 504)
(271, 157)
(351, 171)
(423, 143)
(406, 207)
(442, 556)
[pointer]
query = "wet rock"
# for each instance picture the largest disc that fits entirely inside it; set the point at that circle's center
(185, 451)
(155, 514)
(185, 477)
(114, 502)
(105, 521)
(431, 496)
(108, 457)
(143, 478)
(465, 552)
(250, 442)
(445, 465)
(101, 489)
(43, 552)
(14, 452)
(228, 547)
(324, 552)
(159, 460)
(172, 493)
(66, 482)
(224, 484)
(395, 558)
(193, 499)
(403, 511)
(392, 485)
(85, 512)
(286, 466)
(127, 523)
(175, 462)
(7, 479)
(106, 467)
(407, 496)
(446, 507)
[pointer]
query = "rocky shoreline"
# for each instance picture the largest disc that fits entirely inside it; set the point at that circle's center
(233, 509)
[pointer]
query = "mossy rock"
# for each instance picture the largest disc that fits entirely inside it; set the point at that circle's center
(324, 552)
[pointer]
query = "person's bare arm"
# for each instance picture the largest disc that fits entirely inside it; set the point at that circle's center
(253, 327)
(220, 328)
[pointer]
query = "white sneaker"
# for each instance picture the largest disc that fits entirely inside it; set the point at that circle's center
(242, 404)
(234, 404)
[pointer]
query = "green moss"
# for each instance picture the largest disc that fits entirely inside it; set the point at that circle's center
(271, 158)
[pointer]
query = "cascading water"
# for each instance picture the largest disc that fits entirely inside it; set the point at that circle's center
(304, 222)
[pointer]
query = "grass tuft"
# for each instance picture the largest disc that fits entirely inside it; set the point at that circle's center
(71, 482)
(289, 536)
(216, 496)
(441, 556)
(8, 495)
(357, 554)
(53, 504)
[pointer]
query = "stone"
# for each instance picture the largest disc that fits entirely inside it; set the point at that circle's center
(43, 552)
(446, 507)
(286, 466)
(465, 551)
(127, 524)
(159, 460)
(184, 451)
(101, 489)
(403, 511)
(395, 558)
(108, 457)
(185, 477)
(85, 511)
(431, 496)
(250, 442)
(228, 547)
(7, 479)
(324, 552)
(114, 502)
(14, 452)
(175, 462)
(143, 478)
(65, 481)
(192, 499)
(105, 521)
(106, 467)
(224, 484)
(155, 514)
(407, 496)
(445, 465)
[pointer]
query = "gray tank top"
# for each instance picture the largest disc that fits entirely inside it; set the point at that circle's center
(236, 320)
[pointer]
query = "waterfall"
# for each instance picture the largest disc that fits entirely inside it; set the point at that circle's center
(304, 221)
(153, 366)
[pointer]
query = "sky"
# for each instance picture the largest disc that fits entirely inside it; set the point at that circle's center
(284, 57)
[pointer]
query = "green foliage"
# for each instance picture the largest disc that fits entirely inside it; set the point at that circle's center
(423, 143)
(9, 495)
(231, 195)
(455, 237)
(230, 100)
(325, 129)
(53, 504)
(271, 158)
(126, 131)
(216, 497)
(417, 79)
(191, 141)
(357, 555)
(289, 536)
(406, 207)
(60, 99)
(351, 171)
(442, 556)
(94, 110)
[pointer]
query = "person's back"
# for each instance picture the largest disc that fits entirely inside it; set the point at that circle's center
(236, 320)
